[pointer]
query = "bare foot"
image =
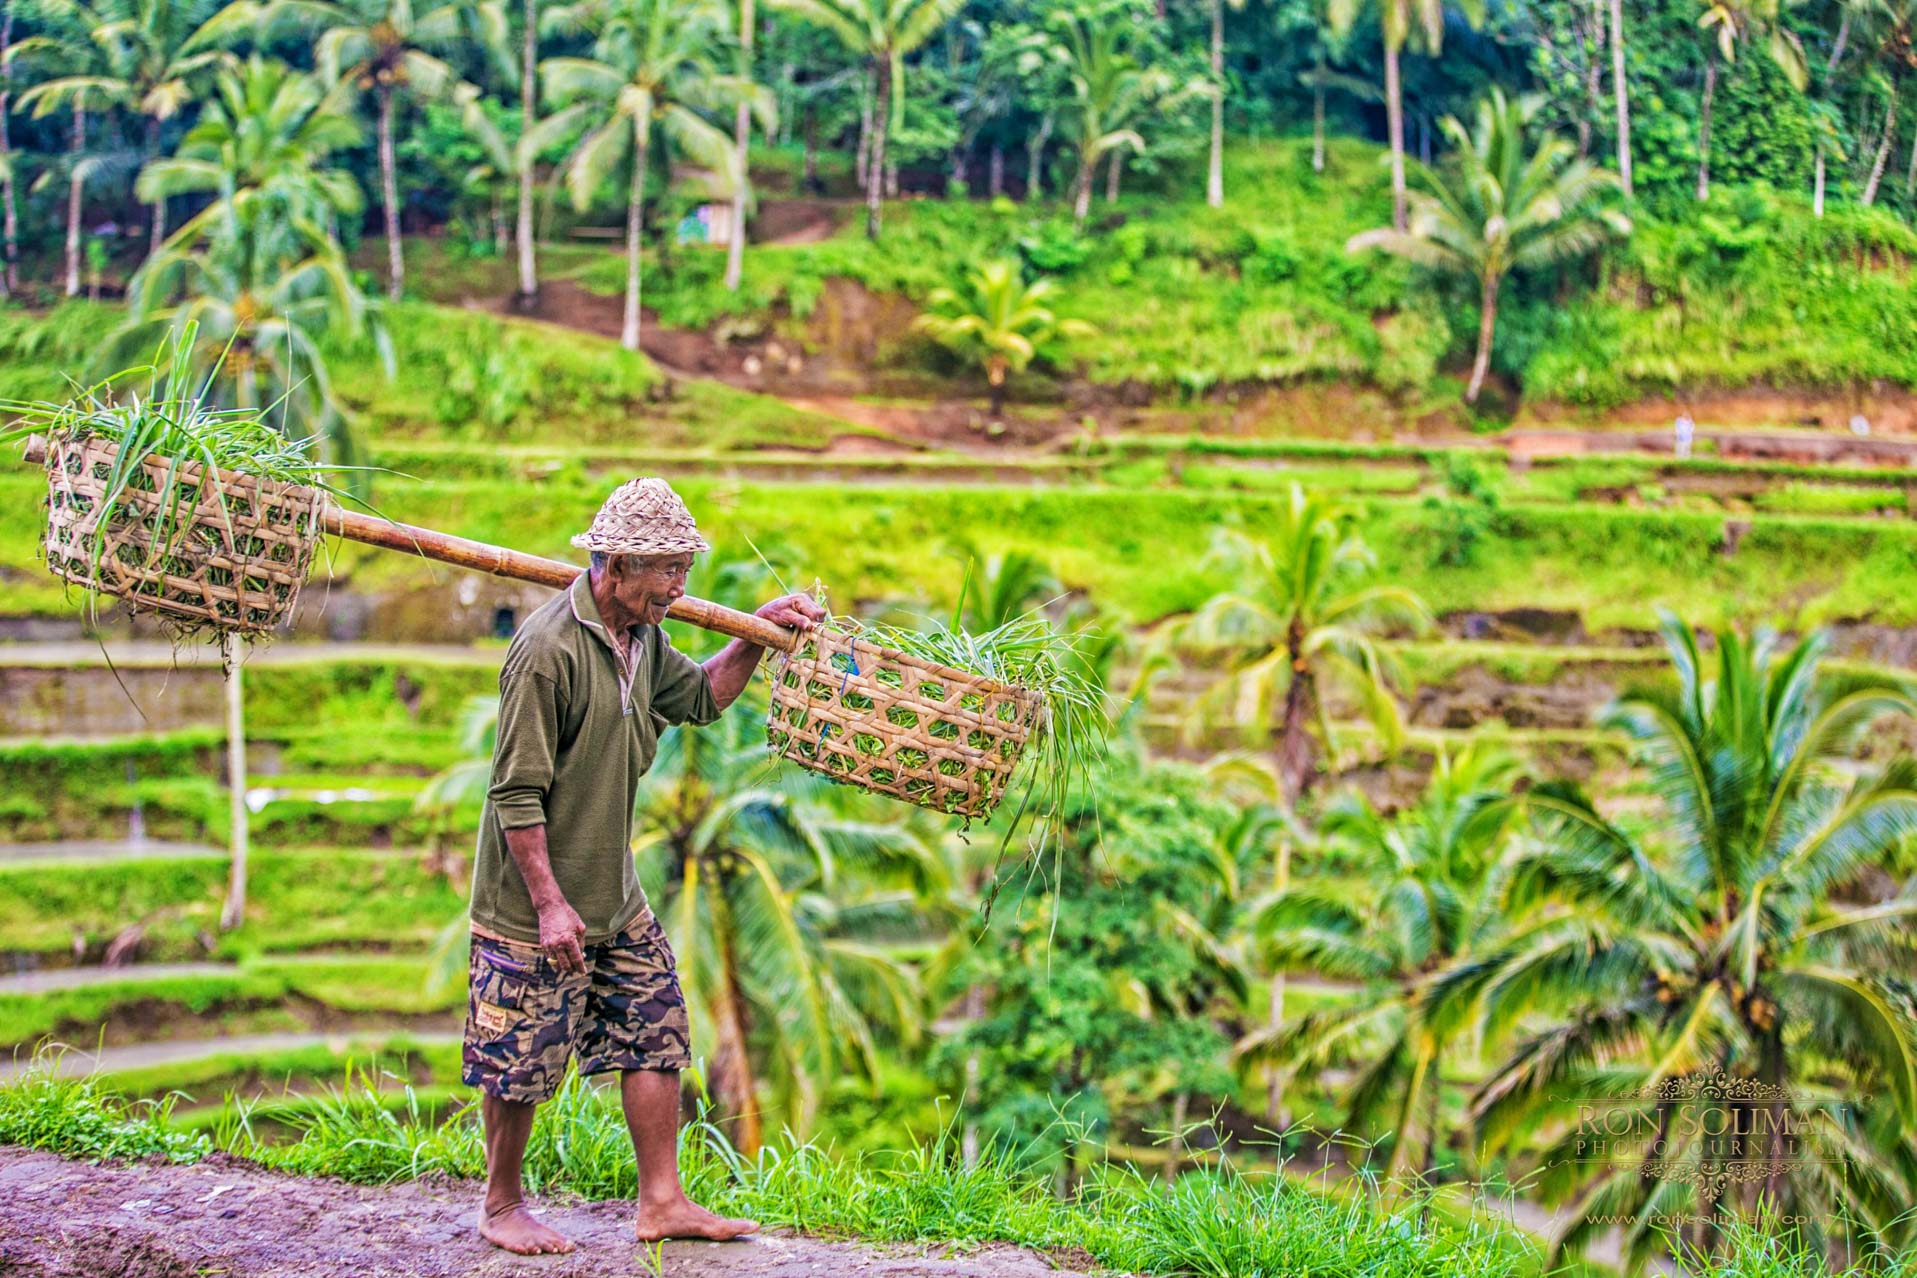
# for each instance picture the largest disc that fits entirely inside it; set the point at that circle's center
(518, 1230)
(683, 1218)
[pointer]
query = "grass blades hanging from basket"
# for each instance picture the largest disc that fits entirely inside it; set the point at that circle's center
(944, 718)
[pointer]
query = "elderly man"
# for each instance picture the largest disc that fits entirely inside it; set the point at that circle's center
(568, 962)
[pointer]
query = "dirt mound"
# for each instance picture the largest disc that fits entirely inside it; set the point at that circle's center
(224, 1216)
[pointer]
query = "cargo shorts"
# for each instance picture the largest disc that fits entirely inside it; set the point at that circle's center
(525, 1018)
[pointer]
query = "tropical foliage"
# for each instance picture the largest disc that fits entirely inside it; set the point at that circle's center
(1725, 943)
(996, 319)
(1510, 209)
(1303, 613)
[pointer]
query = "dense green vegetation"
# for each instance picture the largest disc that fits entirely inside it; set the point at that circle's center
(1255, 493)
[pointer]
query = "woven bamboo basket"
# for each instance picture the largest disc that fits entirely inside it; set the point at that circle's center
(232, 553)
(897, 724)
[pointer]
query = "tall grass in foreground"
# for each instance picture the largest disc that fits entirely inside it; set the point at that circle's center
(1212, 1223)
(1204, 1223)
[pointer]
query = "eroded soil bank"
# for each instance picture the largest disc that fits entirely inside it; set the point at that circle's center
(225, 1216)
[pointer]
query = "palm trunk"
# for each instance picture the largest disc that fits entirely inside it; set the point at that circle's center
(1035, 158)
(1487, 320)
(1817, 182)
(968, 1140)
(635, 221)
(528, 113)
(1275, 1007)
(1318, 117)
(1431, 1119)
(1112, 172)
(1837, 45)
(158, 228)
(862, 158)
(741, 138)
(1394, 122)
(995, 381)
(1215, 170)
(233, 913)
(10, 244)
(1704, 126)
(1619, 91)
(1180, 1106)
(1883, 150)
(734, 1092)
(1593, 74)
(77, 147)
(1294, 741)
(1082, 198)
(811, 165)
(995, 173)
(389, 193)
(881, 125)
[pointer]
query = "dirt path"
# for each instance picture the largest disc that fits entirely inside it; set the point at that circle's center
(66, 1219)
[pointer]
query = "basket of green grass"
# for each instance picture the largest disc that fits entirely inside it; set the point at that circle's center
(940, 718)
(202, 516)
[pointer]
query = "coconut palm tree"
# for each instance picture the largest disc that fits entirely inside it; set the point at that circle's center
(265, 133)
(523, 159)
(1107, 91)
(1891, 36)
(997, 320)
(885, 32)
(262, 284)
(75, 73)
(389, 48)
(9, 208)
(1734, 20)
(147, 56)
(1300, 612)
(1510, 208)
(1398, 20)
(653, 69)
(1712, 953)
(1215, 164)
(1620, 90)
(1420, 905)
(777, 891)
(741, 141)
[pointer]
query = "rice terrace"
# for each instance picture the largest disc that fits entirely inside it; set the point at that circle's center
(940, 637)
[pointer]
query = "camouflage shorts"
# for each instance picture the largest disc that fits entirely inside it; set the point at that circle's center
(525, 1018)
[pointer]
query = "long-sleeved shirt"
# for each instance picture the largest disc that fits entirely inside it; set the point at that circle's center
(578, 727)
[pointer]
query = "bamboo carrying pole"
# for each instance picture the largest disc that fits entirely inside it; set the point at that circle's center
(462, 552)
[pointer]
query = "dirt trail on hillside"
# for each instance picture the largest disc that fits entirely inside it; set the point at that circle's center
(224, 1216)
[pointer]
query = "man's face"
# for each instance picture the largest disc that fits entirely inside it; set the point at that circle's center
(647, 586)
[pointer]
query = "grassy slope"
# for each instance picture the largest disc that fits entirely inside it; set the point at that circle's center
(295, 901)
(1747, 289)
(1138, 551)
(457, 374)
(345, 983)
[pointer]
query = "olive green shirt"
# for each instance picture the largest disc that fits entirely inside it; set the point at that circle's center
(576, 732)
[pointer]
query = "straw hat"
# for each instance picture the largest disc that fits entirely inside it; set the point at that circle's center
(642, 517)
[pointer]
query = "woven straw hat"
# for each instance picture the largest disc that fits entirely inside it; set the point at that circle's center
(642, 517)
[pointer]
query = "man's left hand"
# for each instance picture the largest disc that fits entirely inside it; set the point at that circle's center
(800, 612)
